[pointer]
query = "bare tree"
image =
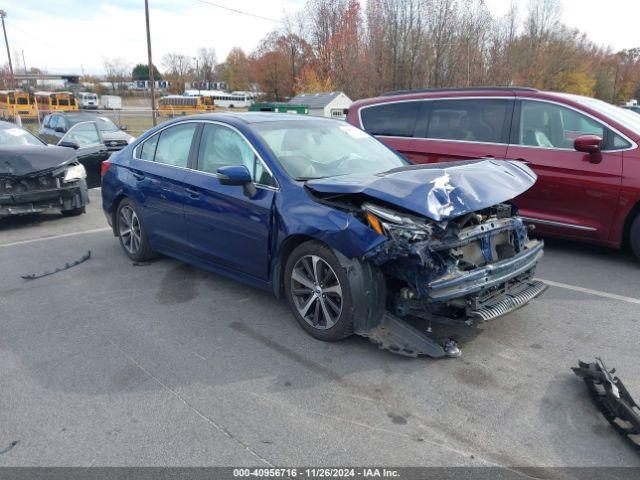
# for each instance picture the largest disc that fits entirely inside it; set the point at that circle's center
(207, 61)
(178, 69)
(116, 70)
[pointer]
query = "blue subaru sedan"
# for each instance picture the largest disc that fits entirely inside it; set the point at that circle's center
(356, 238)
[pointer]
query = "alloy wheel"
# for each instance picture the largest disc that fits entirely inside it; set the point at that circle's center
(129, 229)
(316, 292)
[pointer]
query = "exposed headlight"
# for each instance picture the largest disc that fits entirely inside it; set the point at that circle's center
(393, 224)
(75, 172)
(130, 139)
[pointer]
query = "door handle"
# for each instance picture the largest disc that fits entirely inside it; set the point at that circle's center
(526, 162)
(192, 192)
(137, 175)
(488, 156)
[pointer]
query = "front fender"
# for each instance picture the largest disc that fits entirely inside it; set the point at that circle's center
(342, 231)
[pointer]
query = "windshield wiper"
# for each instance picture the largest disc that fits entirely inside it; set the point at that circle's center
(304, 179)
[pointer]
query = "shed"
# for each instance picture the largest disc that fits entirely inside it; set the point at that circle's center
(326, 104)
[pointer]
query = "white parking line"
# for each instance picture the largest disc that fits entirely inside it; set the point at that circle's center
(54, 237)
(592, 292)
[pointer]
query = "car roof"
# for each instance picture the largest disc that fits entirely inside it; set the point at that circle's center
(460, 89)
(257, 117)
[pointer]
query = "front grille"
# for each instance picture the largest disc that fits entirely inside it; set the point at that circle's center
(116, 144)
(510, 302)
(29, 184)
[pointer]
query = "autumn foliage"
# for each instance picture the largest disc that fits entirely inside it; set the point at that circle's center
(366, 48)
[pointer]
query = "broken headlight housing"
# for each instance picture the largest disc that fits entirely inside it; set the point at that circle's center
(75, 172)
(395, 225)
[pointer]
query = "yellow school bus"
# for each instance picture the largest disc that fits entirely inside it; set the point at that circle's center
(49, 102)
(17, 103)
(173, 105)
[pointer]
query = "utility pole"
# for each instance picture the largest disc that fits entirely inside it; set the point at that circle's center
(24, 64)
(3, 14)
(151, 78)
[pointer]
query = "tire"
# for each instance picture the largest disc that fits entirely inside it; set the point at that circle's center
(74, 212)
(131, 233)
(326, 310)
(634, 237)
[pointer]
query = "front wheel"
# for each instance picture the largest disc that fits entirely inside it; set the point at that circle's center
(133, 237)
(634, 237)
(318, 292)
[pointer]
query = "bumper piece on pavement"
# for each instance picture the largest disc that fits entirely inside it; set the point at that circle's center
(612, 398)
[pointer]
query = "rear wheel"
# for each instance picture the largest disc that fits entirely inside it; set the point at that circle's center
(133, 238)
(634, 237)
(318, 292)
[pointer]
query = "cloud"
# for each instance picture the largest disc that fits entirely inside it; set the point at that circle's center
(80, 35)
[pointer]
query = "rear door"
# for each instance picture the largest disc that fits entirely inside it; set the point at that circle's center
(572, 197)
(441, 130)
(158, 170)
(90, 151)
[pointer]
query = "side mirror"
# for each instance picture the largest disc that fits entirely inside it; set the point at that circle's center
(73, 145)
(123, 128)
(591, 144)
(237, 175)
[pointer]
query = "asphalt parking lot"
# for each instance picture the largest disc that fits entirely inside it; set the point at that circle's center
(110, 363)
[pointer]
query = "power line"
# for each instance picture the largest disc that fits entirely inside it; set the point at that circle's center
(238, 11)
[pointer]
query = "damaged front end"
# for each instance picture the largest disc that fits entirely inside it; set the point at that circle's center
(63, 187)
(469, 269)
(454, 249)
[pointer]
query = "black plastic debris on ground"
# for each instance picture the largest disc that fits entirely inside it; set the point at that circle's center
(612, 398)
(11, 445)
(68, 265)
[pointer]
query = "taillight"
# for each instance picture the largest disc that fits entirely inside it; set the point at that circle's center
(105, 166)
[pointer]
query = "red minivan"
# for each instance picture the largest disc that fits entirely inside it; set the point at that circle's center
(584, 151)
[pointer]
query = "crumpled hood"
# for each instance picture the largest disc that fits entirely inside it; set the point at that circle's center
(438, 191)
(19, 161)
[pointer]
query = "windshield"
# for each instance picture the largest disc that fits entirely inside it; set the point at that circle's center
(18, 136)
(622, 116)
(104, 124)
(325, 148)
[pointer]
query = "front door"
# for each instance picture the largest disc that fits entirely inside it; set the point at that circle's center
(225, 225)
(572, 197)
(90, 151)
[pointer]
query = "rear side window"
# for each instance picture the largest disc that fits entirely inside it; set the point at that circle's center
(391, 119)
(468, 120)
(148, 150)
(174, 145)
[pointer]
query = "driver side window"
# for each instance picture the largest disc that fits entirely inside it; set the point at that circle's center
(548, 125)
(221, 146)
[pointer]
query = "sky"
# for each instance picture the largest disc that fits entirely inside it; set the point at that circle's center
(76, 36)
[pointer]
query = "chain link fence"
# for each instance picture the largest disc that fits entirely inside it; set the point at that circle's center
(134, 121)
